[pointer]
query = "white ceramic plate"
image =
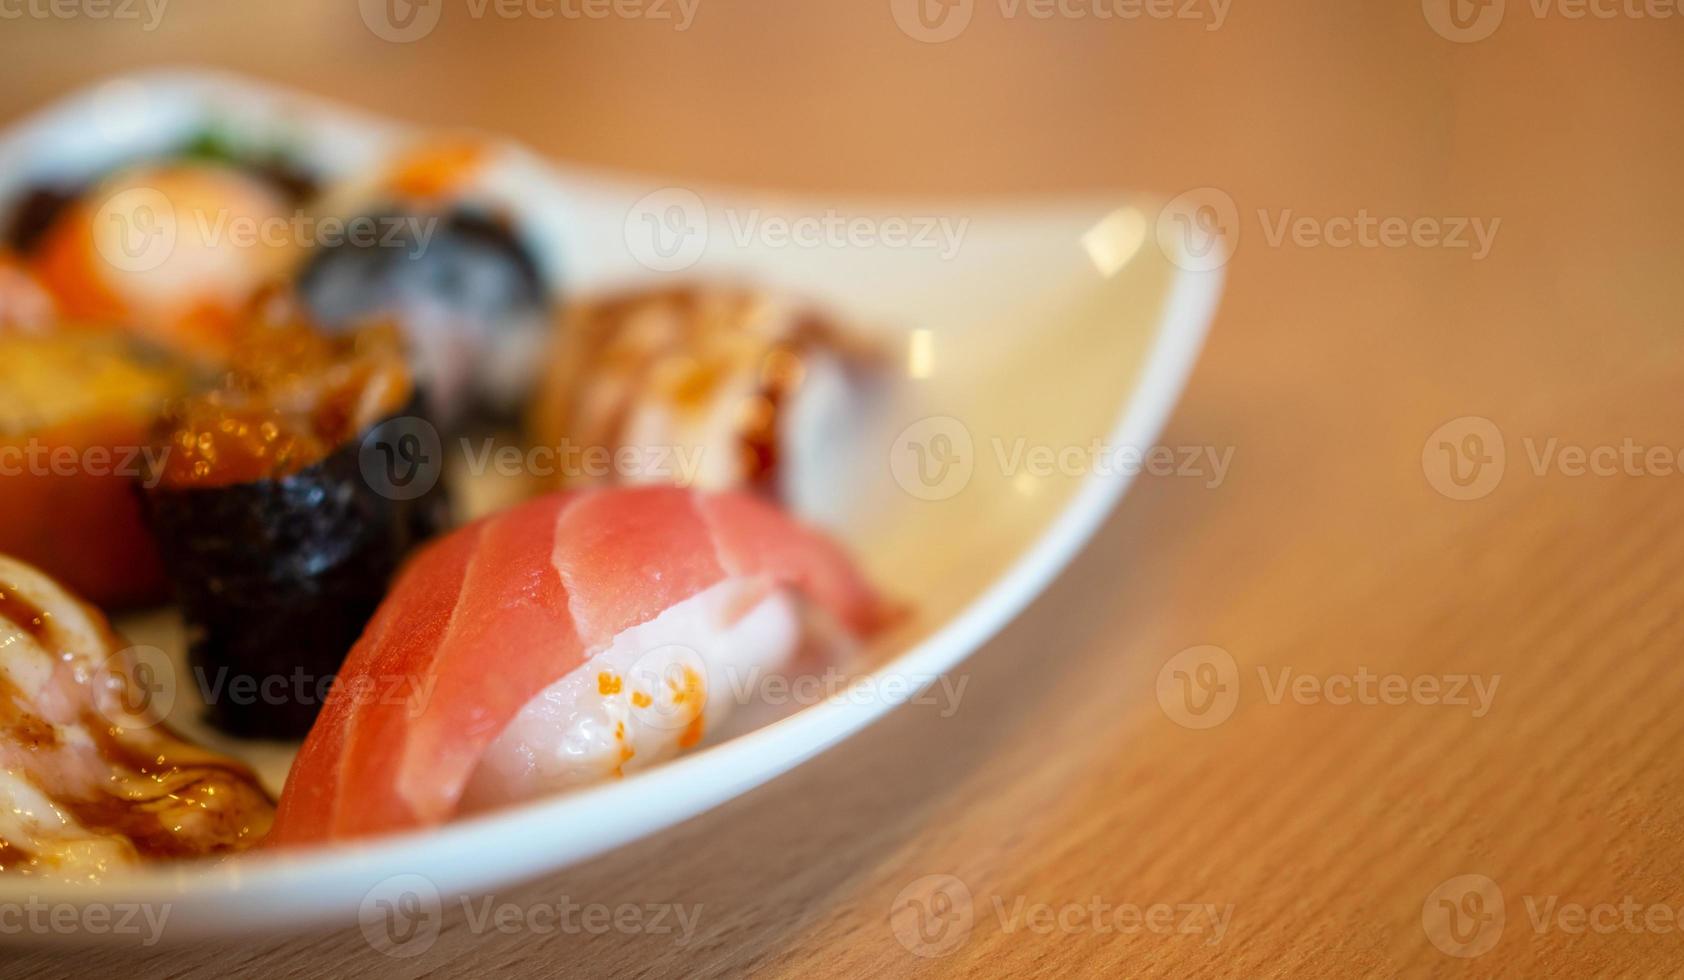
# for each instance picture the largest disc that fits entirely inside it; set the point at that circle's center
(1028, 334)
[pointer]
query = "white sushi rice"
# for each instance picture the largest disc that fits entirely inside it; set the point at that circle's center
(657, 689)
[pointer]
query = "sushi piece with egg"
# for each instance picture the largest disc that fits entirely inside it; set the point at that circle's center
(713, 387)
(572, 639)
(170, 251)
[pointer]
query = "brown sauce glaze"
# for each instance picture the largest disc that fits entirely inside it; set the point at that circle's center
(612, 361)
(25, 614)
(163, 796)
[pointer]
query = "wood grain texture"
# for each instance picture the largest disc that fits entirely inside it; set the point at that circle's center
(1060, 779)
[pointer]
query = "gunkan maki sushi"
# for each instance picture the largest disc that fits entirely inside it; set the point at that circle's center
(284, 501)
(441, 253)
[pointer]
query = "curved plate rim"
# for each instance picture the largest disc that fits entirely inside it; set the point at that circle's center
(293, 890)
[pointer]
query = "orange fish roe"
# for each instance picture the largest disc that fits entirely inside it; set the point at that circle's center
(692, 733)
(217, 445)
(291, 397)
(693, 693)
(438, 169)
(692, 687)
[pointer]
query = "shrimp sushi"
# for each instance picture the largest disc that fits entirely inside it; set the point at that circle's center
(569, 640)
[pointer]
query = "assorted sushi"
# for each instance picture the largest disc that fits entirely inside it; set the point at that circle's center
(259, 433)
(278, 543)
(172, 247)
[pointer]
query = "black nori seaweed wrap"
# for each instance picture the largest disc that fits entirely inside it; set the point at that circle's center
(277, 577)
(467, 290)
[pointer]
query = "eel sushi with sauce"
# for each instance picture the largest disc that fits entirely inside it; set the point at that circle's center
(712, 387)
(284, 501)
(568, 640)
(91, 780)
(76, 411)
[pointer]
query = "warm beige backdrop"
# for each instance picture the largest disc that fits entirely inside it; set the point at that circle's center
(1060, 780)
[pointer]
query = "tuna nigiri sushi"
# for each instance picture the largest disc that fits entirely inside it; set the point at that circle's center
(565, 641)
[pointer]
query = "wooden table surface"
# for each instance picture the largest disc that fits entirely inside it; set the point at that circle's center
(1315, 837)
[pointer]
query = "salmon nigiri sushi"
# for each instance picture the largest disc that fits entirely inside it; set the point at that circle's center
(563, 642)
